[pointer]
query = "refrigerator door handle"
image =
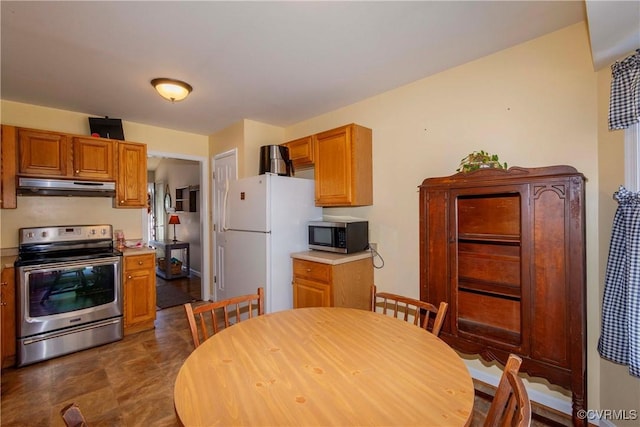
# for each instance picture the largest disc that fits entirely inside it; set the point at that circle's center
(224, 204)
(221, 266)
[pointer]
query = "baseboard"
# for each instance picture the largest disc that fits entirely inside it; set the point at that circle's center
(551, 410)
(545, 400)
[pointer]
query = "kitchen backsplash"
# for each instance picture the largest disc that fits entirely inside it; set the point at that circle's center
(46, 211)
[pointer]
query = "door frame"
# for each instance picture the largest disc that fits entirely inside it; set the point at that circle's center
(205, 240)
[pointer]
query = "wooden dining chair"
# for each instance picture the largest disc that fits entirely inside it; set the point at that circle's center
(224, 312)
(511, 405)
(409, 308)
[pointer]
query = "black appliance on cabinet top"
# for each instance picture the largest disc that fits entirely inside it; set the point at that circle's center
(275, 159)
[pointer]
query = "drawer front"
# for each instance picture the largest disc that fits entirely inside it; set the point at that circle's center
(138, 262)
(312, 270)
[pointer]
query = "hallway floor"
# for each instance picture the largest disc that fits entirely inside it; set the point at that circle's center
(190, 285)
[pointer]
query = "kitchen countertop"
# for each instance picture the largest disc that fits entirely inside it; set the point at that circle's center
(138, 251)
(330, 257)
(7, 261)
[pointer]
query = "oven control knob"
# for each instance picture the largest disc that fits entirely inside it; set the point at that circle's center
(93, 231)
(30, 235)
(44, 234)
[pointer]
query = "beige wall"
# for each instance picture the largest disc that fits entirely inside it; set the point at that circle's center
(258, 134)
(83, 210)
(247, 136)
(534, 104)
(227, 139)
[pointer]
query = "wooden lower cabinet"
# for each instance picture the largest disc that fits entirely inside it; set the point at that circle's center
(317, 284)
(139, 281)
(8, 316)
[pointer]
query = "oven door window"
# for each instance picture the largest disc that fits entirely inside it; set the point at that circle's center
(55, 291)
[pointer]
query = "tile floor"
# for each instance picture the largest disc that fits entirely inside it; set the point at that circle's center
(127, 383)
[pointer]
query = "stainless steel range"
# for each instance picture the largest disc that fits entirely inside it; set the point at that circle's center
(69, 290)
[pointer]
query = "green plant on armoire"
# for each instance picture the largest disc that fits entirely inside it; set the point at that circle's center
(480, 160)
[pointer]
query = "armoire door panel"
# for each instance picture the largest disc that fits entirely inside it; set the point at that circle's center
(550, 298)
(435, 241)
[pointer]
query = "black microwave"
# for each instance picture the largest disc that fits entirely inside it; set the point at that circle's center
(339, 236)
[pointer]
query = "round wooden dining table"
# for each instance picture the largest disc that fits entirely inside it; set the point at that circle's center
(324, 367)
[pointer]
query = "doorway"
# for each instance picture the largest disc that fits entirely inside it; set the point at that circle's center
(164, 203)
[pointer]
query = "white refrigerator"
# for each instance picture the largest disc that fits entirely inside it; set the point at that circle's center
(265, 220)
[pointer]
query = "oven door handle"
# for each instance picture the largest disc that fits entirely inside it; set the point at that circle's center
(51, 335)
(44, 267)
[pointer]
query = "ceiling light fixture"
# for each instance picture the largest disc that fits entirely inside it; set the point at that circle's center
(173, 90)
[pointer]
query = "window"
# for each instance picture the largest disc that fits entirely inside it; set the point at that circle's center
(632, 157)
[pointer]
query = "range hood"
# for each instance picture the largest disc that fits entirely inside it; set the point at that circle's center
(63, 187)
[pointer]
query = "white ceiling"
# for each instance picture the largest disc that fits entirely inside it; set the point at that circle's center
(274, 62)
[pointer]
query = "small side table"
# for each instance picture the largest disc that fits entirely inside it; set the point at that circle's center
(167, 247)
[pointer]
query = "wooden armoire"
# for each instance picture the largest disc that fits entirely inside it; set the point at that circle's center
(506, 250)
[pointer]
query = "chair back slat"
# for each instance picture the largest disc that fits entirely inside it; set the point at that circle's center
(404, 307)
(511, 406)
(218, 313)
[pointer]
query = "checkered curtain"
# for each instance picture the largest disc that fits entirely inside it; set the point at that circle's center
(620, 329)
(624, 104)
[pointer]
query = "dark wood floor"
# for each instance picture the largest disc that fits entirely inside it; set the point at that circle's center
(127, 383)
(190, 285)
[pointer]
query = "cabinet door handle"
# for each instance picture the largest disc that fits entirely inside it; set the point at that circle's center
(308, 270)
(129, 277)
(3, 283)
(140, 263)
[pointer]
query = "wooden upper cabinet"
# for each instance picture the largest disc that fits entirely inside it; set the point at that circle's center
(58, 155)
(46, 154)
(301, 152)
(343, 167)
(43, 153)
(8, 168)
(131, 183)
(94, 158)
